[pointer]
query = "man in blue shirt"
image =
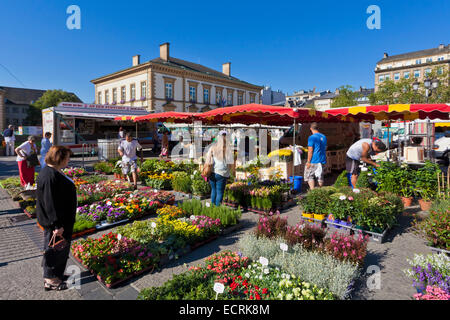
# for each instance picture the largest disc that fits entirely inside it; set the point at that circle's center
(317, 158)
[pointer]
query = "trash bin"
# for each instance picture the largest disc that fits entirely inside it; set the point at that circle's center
(297, 180)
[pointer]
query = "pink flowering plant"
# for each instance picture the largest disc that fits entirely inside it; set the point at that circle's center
(433, 293)
(73, 172)
(347, 248)
(271, 227)
(207, 225)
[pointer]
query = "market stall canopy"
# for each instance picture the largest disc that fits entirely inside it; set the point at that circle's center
(101, 111)
(266, 115)
(395, 112)
(171, 116)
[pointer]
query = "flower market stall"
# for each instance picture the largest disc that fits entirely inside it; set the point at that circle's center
(145, 245)
(275, 262)
(404, 112)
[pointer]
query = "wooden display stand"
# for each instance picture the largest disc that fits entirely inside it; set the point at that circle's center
(285, 168)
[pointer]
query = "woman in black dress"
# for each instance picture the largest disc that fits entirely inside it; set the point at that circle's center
(56, 205)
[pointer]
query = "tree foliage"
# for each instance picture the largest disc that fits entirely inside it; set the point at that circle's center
(50, 98)
(401, 91)
(347, 97)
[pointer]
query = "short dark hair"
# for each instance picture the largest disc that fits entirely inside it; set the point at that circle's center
(47, 134)
(314, 126)
(380, 145)
(57, 154)
(128, 134)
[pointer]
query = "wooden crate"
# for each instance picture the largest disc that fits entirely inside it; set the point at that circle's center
(285, 168)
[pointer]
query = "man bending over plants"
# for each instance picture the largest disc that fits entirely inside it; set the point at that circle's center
(361, 150)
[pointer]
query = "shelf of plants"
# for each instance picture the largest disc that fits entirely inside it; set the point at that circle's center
(182, 177)
(313, 267)
(262, 197)
(145, 245)
(352, 210)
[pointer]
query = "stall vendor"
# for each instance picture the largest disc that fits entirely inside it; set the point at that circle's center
(361, 150)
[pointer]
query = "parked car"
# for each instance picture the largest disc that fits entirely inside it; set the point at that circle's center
(442, 149)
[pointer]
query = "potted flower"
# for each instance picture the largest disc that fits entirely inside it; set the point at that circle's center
(426, 184)
(405, 181)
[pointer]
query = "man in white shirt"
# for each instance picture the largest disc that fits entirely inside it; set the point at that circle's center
(127, 150)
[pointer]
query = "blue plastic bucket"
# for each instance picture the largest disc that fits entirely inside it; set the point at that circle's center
(297, 181)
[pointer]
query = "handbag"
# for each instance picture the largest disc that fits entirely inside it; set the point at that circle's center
(208, 167)
(56, 251)
(32, 160)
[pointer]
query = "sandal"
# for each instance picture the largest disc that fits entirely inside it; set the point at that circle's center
(58, 287)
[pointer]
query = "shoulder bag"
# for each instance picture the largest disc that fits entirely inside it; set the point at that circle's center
(56, 251)
(209, 164)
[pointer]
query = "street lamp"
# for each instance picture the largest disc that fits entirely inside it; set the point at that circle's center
(430, 85)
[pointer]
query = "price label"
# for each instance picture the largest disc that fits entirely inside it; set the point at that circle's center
(218, 287)
(119, 237)
(153, 225)
(284, 246)
(263, 261)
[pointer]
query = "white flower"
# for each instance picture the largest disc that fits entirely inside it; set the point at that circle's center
(260, 277)
(266, 271)
(369, 174)
(247, 275)
(342, 197)
(109, 203)
(363, 169)
(356, 190)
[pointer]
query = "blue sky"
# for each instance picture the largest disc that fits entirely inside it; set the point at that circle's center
(289, 45)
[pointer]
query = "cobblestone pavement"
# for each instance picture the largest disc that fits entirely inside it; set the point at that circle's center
(21, 271)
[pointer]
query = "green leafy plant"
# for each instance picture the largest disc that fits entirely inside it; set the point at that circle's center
(342, 180)
(426, 185)
(436, 227)
(181, 182)
(104, 167)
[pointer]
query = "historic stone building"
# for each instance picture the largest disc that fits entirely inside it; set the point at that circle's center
(170, 84)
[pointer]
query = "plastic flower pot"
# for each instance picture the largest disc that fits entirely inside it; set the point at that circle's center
(407, 201)
(319, 216)
(424, 205)
(336, 223)
(345, 223)
(308, 215)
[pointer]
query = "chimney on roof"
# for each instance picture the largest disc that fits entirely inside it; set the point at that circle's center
(164, 51)
(226, 68)
(385, 55)
(441, 47)
(136, 60)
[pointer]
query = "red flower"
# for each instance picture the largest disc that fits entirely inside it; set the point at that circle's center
(265, 291)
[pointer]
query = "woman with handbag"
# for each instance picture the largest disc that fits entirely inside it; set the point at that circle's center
(56, 206)
(26, 160)
(216, 168)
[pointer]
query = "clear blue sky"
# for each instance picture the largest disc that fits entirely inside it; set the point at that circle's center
(289, 45)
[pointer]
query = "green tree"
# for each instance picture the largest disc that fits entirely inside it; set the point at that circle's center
(346, 97)
(401, 91)
(50, 98)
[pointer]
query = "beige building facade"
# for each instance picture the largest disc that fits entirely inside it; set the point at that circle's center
(415, 64)
(171, 84)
